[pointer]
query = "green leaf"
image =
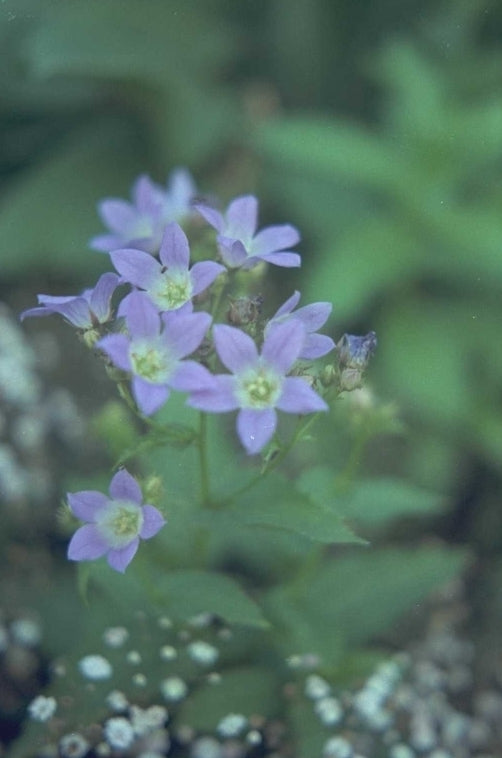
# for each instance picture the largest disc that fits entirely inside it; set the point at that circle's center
(277, 503)
(372, 502)
(352, 599)
(247, 691)
(332, 148)
(184, 594)
(58, 197)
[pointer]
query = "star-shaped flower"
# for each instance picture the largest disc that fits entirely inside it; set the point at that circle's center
(169, 283)
(140, 223)
(115, 524)
(312, 317)
(258, 383)
(238, 242)
(153, 351)
(84, 311)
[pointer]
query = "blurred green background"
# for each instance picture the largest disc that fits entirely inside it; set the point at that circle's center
(375, 127)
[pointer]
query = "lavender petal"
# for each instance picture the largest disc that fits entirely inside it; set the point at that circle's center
(203, 274)
(123, 486)
(232, 251)
(174, 250)
(184, 332)
(285, 259)
(283, 345)
(136, 266)
(220, 398)
(241, 218)
(211, 215)
(104, 243)
(120, 558)
(116, 347)
(101, 295)
(86, 504)
(190, 376)
(316, 345)
(255, 428)
(117, 214)
(86, 544)
(274, 238)
(149, 397)
(298, 397)
(314, 316)
(236, 349)
(288, 306)
(153, 521)
(143, 319)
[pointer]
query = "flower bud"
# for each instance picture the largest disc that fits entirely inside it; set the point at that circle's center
(244, 310)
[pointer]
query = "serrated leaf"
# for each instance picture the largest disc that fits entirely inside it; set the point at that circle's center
(372, 501)
(184, 594)
(278, 504)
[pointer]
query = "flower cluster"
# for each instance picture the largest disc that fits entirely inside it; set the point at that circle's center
(158, 324)
(164, 334)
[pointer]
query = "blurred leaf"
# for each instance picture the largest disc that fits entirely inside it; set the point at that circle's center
(247, 691)
(48, 214)
(372, 502)
(277, 503)
(355, 598)
(331, 149)
(184, 594)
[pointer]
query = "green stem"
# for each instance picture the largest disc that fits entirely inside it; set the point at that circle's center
(203, 463)
(273, 462)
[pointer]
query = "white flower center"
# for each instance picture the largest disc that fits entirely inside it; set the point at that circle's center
(172, 290)
(120, 522)
(259, 388)
(150, 361)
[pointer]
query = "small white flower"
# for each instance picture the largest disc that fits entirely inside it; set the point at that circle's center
(26, 632)
(254, 737)
(139, 680)
(329, 711)
(232, 725)
(337, 747)
(42, 708)
(201, 621)
(401, 751)
(165, 622)
(148, 719)
(117, 701)
(316, 687)
(173, 688)
(133, 657)
(115, 636)
(73, 746)
(119, 733)
(203, 653)
(95, 667)
(168, 653)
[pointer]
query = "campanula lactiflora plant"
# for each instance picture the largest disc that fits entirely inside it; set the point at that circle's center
(186, 334)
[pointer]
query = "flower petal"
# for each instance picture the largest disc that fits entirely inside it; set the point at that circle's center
(220, 398)
(190, 376)
(123, 486)
(149, 397)
(241, 218)
(203, 274)
(174, 250)
(153, 521)
(137, 267)
(86, 544)
(184, 332)
(117, 214)
(212, 216)
(283, 344)
(119, 559)
(313, 316)
(142, 317)
(274, 238)
(236, 349)
(101, 295)
(116, 346)
(288, 306)
(298, 397)
(316, 345)
(286, 259)
(256, 428)
(104, 243)
(232, 251)
(85, 504)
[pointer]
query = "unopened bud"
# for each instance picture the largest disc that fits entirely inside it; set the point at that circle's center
(355, 352)
(153, 490)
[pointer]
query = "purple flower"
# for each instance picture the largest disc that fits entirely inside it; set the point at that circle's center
(169, 284)
(240, 246)
(258, 383)
(312, 317)
(84, 311)
(115, 524)
(140, 223)
(153, 355)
